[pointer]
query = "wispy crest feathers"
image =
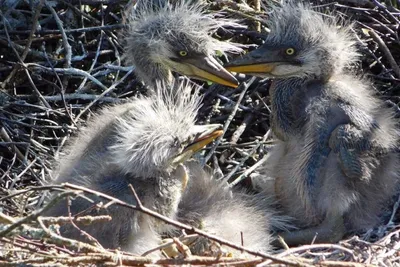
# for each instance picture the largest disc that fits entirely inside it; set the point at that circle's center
(296, 21)
(147, 132)
(153, 23)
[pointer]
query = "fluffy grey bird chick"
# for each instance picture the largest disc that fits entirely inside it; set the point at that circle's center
(144, 143)
(235, 216)
(162, 38)
(333, 163)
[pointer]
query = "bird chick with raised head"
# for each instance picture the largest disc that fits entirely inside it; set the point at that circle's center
(144, 143)
(334, 163)
(162, 38)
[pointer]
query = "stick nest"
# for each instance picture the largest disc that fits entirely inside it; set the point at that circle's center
(61, 60)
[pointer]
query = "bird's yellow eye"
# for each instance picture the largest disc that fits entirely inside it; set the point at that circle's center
(289, 51)
(183, 53)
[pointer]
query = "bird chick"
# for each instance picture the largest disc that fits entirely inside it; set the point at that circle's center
(144, 143)
(334, 163)
(163, 37)
(237, 217)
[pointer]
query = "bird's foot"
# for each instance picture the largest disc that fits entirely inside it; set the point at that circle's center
(349, 144)
(348, 137)
(331, 230)
(206, 247)
(350, 163)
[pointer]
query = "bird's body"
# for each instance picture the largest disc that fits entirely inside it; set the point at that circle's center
(311, 178)
(143, 143)
(101, 159)
(241, 218)
(334, 163)
(130, 143)
(128, 230)
(162, 38)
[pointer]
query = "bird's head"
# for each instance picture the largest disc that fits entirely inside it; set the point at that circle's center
(176, 38)
(158, 133)
(301, 43)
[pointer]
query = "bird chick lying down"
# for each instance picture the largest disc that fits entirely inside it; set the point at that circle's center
(144, 143)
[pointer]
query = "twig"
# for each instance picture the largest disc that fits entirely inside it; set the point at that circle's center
(248, 171)
(67, 47)
(72, 71)
(316, 246)
(168, 244)
(76, 96)
(39, 95)
(242, 161)
(244, 86)
(6, 137)
(81, 219)
(22, 58)
(182, 248)
(386, 51)
(93, 63)
(80, 30)
(110, 89)
(31, 217)
(139, 207)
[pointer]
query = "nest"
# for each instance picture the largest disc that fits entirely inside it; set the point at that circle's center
(61, 60)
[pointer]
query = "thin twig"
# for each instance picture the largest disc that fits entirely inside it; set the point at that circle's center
(244, 86)
(139, 207)
(22, 58)
(386, 51)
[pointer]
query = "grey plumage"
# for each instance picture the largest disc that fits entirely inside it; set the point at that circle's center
(144, 143)
(163, 37)
(214, 207)
(334, 163)
(131, 143)
(153, 42)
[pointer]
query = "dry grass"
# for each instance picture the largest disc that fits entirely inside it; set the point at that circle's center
(60, 62)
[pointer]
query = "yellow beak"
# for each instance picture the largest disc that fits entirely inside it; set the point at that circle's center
(203, 141)
(208, 68)
(253, 68)
(207, 76)
(195, 146)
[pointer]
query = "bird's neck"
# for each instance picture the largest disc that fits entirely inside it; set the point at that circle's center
(288, 99)
(157, 75)
(160, 192)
